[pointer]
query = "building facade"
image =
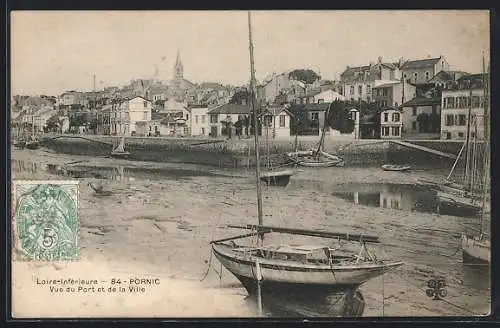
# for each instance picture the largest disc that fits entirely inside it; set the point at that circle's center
(422, 116)
(421, 71)
(125, 115)
(457, 101)
(199, 121)
(392, 93)
(357, 82)
(391, 123)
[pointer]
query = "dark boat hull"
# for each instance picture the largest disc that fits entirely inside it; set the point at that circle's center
(472, 260)
(32, 145)
(280, 179)
(306, 290)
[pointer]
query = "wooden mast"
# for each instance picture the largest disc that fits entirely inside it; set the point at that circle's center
(486, 149)
(256, 130)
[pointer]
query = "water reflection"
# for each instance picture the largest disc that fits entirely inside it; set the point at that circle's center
(342, 304)
(403, 197)
(121, 173)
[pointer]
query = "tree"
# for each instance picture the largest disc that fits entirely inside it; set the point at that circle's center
(53, 124)
(306, 76)
(423, 122)
(339, 117)
(435, 122)
(240, 96)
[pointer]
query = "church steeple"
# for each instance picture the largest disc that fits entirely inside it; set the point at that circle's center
(178, 68)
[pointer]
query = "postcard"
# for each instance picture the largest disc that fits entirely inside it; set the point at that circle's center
(187, 164)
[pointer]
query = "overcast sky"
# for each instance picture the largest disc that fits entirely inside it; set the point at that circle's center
(57, 51)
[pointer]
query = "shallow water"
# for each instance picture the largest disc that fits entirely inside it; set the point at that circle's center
(174, 211)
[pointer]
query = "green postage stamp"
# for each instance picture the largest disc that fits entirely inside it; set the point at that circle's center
(45, 220)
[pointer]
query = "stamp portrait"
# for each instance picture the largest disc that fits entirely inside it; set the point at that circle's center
(46, 225)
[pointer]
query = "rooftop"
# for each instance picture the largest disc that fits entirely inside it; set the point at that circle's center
(230, 109)
(421, 63)
(422, 101)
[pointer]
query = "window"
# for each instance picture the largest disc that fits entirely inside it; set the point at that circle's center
(448, 135)
(282, 121)
(145, 104)
(415, 75)
(385, 131)
(386, 117)
(450, 102)
(202, 119)
(352, 90)
(414, 111)
(449, 120)
(395, 131)
(426, 76)
(213, 118)
(461, 120)
(385, 91)
(368, 89)
(405, 76)
(196, 119)
(360, 89)
(145, 115)
(414, 126)
(475, 101)
(314, 116)
(460, 134)
(321, 101)
(395, 117)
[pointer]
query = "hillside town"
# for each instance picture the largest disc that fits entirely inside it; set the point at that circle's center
(418, 98)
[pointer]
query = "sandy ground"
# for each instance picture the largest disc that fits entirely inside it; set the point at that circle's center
(162, 227)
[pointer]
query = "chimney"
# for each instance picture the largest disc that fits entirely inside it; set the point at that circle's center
(401, 61)
(379, 59)
(371, 64)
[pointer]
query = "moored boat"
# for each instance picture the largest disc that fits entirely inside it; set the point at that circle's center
(314, 158)
(476, 249)
(296, 268)
(279, 178)
(119, 151)
(397, 168)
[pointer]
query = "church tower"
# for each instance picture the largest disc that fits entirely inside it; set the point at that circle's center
(178, 68)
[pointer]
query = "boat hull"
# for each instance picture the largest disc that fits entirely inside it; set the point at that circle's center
(447, 199)
(283, 276)
(475, 251)
(307, 158)
(277, 178)
(396, 168)
(119, 154)
(32, 145)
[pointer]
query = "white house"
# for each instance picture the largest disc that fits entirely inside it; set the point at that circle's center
(391, 123)
(199, 121)
(328, 96)
(276, 122)
(125, 115)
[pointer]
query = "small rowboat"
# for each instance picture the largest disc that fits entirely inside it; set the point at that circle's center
(398, 168)
(277, 178)
(309, 158)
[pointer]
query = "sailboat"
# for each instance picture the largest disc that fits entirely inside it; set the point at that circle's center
(467, 194)
(294, 268)
(273, 176)
(316, 157)
(119, 151)
(476, 248)
(33, 142)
